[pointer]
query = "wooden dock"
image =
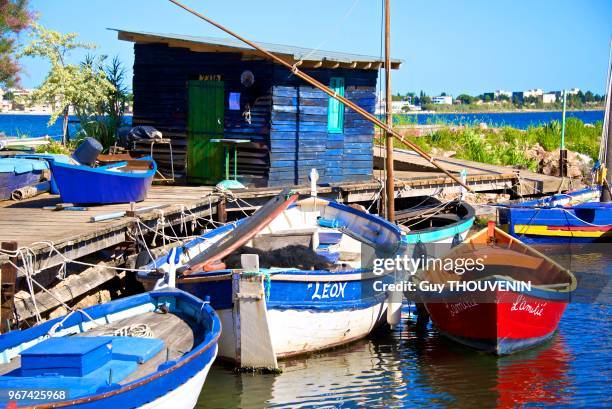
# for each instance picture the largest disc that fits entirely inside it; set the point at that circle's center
(74, 235)
(54, 236)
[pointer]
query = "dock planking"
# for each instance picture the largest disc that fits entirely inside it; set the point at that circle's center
(72, 232)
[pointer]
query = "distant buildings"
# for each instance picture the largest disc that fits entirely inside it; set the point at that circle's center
(398, 106)
(18, 99)
(442, 100)
(501, 93)
(535, 97)
(549, 98)
(536, 92)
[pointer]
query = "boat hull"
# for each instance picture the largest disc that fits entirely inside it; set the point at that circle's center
(577, 217)
(85, 185)
(299, 332)
(307, 314)
(504, 323)
(185, 396)
(175, 383)
(18, 172)
(12, 181)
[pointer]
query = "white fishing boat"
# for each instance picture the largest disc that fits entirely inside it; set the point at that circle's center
(305, 282)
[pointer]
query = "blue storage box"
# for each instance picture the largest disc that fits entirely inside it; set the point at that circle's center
(68, 356)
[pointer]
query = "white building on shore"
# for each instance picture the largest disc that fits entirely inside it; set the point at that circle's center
(442, 100)
(549, 98)
(536, 92)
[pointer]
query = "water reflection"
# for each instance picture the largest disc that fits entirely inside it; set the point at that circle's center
(414, 366)
(472, 379)
(411, 367)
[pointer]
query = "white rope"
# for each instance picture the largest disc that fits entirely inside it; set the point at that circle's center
(133, 330)
(583, 221)
(143, 242)
(168, 237)
(52, 331)
(70, 261)
(376, 196)
(27, 260)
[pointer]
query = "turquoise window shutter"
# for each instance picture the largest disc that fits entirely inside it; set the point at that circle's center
(335, 109)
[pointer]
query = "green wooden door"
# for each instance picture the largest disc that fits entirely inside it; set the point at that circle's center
(206, 112)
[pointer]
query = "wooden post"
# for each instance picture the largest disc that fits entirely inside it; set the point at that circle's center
(222, 211)
(562, 150)
(8, 278)
(254, 348)
(390, 185)
(606, 195)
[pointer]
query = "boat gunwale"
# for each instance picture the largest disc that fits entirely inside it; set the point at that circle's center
(215, 333)
(105, 170)
(469, 244)
(468, 219)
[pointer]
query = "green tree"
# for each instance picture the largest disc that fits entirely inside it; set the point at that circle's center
(14, 18)
(82, 87)
(102, 120)
(466, 99)
(503, 97)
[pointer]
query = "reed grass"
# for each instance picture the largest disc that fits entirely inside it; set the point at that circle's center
(507, 146)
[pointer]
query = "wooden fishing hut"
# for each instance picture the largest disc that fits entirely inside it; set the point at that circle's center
(204, 92)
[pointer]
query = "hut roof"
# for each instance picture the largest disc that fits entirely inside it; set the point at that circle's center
(311, 58)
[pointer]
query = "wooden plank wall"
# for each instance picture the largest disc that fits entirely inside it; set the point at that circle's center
(288, 126)
(160, 85)
(299, 140)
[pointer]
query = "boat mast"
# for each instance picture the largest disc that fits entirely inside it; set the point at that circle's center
(300, 74)
(563, 151)
(390, 185)
(606, 195)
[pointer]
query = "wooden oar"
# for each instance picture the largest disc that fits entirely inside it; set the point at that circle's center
(210, 259)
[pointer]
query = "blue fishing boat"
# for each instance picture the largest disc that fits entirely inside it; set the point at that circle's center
(151, 350)
(305, 274)
(16, 173)
(574, 217)
(434, 227)
(121, 182)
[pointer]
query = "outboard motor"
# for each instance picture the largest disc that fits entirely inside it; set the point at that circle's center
(87, 152)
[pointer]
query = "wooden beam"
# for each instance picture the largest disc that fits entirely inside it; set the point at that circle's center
(8, 282)
(313, 64)
(331, 64)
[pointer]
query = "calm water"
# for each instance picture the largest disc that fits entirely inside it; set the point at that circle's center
(31, 125)
(416, 367)
(520, 120)
(36, 125)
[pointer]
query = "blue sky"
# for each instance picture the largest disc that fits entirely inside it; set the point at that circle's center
(454, 46)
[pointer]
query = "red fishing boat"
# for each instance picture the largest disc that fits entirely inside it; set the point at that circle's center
(512, 298)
